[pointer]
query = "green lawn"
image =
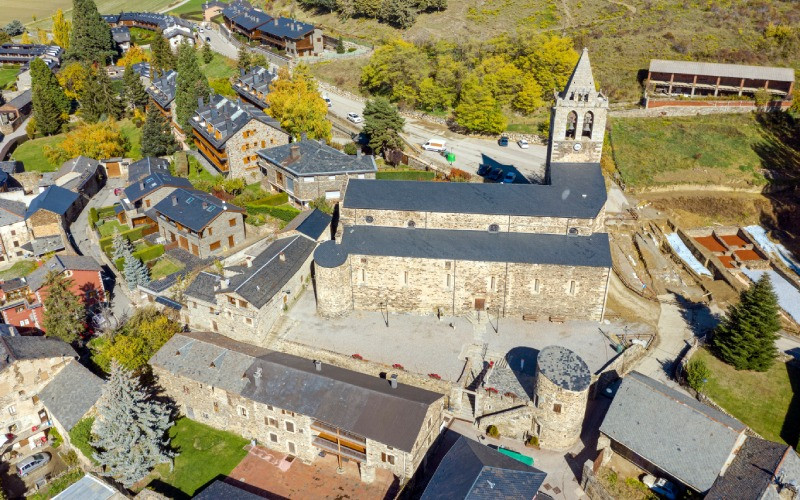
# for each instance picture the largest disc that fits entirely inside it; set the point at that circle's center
(764, 401)
(19, 269)
(712, 149)
(197, 172)
(204, 453)
(108, 227)
(8, 74)
(134, 135)
(164, 267)
(191, 6)
(219, 67)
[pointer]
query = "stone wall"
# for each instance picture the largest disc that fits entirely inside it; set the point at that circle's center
(514, 422)
(218, 231)
(425, 286)
(307, 188)
(13, 236)
(558, 413)
(156, 196)
(243, 146)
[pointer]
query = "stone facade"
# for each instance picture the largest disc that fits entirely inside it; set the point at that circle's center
(578, 119)
(428, 286)
(44, 223)
(223, 233)
(558, 414)
(12, 237)
(303, 190)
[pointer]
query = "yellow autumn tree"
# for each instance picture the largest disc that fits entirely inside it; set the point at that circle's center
(42, 36)
(62, 28)
(26, 38)
(72, 78)
(134, 55)
(296, 103)
(95, 140)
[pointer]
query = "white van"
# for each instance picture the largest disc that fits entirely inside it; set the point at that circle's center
(435, 144)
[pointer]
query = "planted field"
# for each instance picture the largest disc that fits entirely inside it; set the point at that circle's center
(713, 149)
(43, 10)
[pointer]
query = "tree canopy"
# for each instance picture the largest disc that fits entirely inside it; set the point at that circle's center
(64, 312)
(157, 138)
(95, 140)
(98, 99)
(90, 40)
(382, 125)
(50, 103)
(191, 84)
(296, 103)
(478, 111)
(62, 30)
(133, 93)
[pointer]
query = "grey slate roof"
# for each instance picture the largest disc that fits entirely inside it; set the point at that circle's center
(312, 223)
(192, 208)
(228, 117)
(723, 70)
(286, 28)
(12, 167)
(59, 264)
(20, 101)
(11, 211)
(250, 19)
(355, 402)
(121, 34)
(471, 470)
(752, 471)
(250, 83)
(54, 199)
(45, 244)
(13, 284)
(22, 348)
(21, 52)
(71, 394)
(139, 189)
(315, 158)
(268, 274)
(162, 89)
(687, 439)
(88, 488)
(553, 249)
(161, 21)
(221, 490)
(564, 368)
(202, 287)
(147, 166)
(7, 330)
(74, 173)
(576, 190)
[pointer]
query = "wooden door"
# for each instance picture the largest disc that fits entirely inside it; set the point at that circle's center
(183, 242)
(230, 241)
(480, 304)
(194, 250)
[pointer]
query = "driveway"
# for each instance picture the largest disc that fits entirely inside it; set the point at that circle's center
(470, 151)
(219, 43)
(16, 486)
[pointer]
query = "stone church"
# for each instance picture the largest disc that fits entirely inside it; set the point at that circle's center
(538, 250)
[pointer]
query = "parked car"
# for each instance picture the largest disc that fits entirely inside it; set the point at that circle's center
(326, 99)
(509, 178)
(503, 141)
(484, 169)
(660, 486)
(353, 117)
(523, 144)
(208, 39)
(435, 144)
(33, 462)
(496, 174)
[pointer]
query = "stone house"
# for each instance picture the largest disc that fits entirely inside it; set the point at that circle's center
(253, 85)
(298, 406)
(143, 195)
(309, 169)
(248, 298)
(14, 233)
(297, 38)
(51, 212)
(82, 175)
(212, 9)
(122, 38)
(461, 248)
(228, 133)
(200, 223)
(15, 111)
(162, 93)
(27, 366)
(147, 166)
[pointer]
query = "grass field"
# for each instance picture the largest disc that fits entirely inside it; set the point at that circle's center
(205, 453)
(192, 6)
(773, 413)
(108, 227)
(164, 267)
(713, 149)
(42, 11)
(8, 74)
(219, 67)
(19, 269)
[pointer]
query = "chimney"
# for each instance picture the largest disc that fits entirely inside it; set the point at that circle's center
(205, 205)
(303, 136)
(358, 153)
(282, 257)
(174, 201)
(276, 21)
(199, 102)
(393, 381)
(141, 185)
(294, 152)
(241, 71)
(318, 365)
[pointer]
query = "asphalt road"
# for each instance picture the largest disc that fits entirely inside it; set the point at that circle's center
(470, 151)
(219, 43)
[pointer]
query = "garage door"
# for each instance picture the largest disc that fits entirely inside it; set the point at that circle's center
(332, 195)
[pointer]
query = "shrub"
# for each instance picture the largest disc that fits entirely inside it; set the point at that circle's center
(94, 218)
(130, 235)
(106, 212)
(458, 175)
(493, 431)
(351, 49)
(70, 458)
(351, 148)
(284, 213)
(406, 175)
(56, 437)
(322, 205)
(272, 200)
(533, 441)
(81, 435)
(145, 255)
(30, 128)
(697, 374)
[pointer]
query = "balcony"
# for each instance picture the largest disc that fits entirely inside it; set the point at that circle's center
(334, 448)
(343, 435)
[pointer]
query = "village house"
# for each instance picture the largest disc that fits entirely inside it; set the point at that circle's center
(228, 134)
(141, 197)
(8, 171)
(297, 38)
(173, 28)
(363, 420)
(15, 111)
(249, 297)
(24, 53)
(214, 8)
(253, 85)
(23, 298)
(27, 366)
(14, 232)
(200, 223)
(147, 166)
(308, 170)
(122, 38)
(162, 93)
(51, 212)
(466, 248)
(81, 175)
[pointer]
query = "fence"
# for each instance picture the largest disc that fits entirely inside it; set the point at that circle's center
(272, 57)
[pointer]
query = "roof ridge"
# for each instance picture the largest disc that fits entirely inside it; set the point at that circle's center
(265, 264)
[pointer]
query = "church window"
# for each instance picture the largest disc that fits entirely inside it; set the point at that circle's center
(572, 286)
(449, 281)
(370, 219)
(412, 224)
(494, 228)
(405, 277)
(493, 284)
(588, 123)
(536, 285)
(557, 408)
(573, 231)
(572, 121)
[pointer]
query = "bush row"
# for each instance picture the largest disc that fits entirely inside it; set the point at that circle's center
(284, 213)
(272, 200)
(105, 212)
(130, 235)
(406, 175)
(145, 255)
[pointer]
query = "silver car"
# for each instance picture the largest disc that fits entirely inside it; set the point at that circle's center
(33, 462)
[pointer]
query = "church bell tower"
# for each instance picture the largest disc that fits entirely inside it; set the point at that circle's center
(578, 118)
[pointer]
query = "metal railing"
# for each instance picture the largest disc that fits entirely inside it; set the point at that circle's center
(339, 450)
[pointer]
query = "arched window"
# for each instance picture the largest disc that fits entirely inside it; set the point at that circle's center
(369, 219)
(412, 224)
(494, 228)
(588, 123)
(572, 121)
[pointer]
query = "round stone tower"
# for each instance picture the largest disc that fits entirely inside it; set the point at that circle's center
(561, 391)
(332, 280)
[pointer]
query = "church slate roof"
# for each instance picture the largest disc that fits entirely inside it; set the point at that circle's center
(202, 287)
(752, 471)
(312, 223)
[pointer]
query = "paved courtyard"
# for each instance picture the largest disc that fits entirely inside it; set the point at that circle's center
(425, 344)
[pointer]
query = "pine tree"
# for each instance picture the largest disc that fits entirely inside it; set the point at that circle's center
(90, 40)
(50, 104)
(120, 246)
(162, 58)
(98, 98)
(478, 111)
(14, 28)
(62, 29)
(133, 93)
(340, 46)
(243, 58)
(206, 53)
(746, 336)
(191, 84)
(157, 138)
(135, 272)
(130, 429)
(382, 124)
(63, 310)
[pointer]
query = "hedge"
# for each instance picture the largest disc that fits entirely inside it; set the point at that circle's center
(272, 200)
(130, 235)
(145, 255)
(105, 212)
(81, 435)
(406, 175)
(285, 213)
(93, 217)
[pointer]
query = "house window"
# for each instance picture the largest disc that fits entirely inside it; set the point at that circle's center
(185, 390)
(13, 233)
(362, 276)
(249, 321)
(292, 449)
(572, 287)
(331, 177)
(242, 304)
(216, 406)
(493, 284)
(270, 408)
(387, 458)
(449, 281)
(243, 411)
(272, 422)
(214, 246)
(289, 426)
(16, 244)
(557, 408)
(12, 410)
(536, 285)
(273, 437)
(412, 224)
(210, 231)
(494, 228)
(369, 219)
(287, 412)
(232, 222)
(447, 265)
(232, 301)
(535, 400)
(308, 179)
